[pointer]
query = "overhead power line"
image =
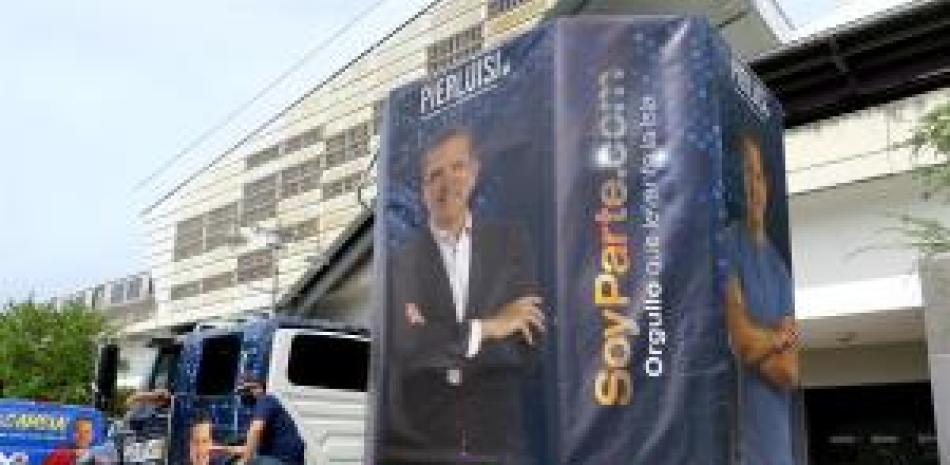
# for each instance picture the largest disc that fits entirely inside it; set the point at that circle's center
(260, 94)
(332, 76)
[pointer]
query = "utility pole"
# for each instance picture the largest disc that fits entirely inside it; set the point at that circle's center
(276, 239)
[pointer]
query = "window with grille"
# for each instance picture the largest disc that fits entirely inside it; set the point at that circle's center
(342, 186)
(301, 230)
(378, 107)
(306, 229)
(291, 144)
(347, 145)
(357, 141)
(259, 158)
(301, 141)
(312, 136)
(300, 178)
(221, 226)
(78, 298)
(185, 290)
(445, 53)
(256, 265)
(117, 292)
(500, 7)
(133, 288)
(98, 296)
(260, 200)
(189, 238)
(217, 282)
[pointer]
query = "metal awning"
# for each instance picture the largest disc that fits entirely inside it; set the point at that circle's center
(885, 57)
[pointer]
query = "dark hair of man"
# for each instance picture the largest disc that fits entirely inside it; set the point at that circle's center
(445, 136)
(202, 417)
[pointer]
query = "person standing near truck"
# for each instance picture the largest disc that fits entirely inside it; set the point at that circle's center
(272, 438)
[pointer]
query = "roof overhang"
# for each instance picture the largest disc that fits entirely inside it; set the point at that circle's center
(896, 54)
(353, 247)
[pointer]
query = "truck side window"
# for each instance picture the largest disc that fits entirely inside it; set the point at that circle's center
(345, 362)
(218, 368)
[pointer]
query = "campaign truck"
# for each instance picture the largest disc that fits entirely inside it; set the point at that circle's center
(316, 370)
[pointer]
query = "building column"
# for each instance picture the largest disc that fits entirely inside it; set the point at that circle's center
(935, 281)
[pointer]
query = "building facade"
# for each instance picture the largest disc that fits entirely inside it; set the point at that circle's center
(859, 288)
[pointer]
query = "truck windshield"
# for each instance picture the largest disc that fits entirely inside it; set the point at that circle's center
(327, 361)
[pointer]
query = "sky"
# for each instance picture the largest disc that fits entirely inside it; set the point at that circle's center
(801, 12)
(96, 95)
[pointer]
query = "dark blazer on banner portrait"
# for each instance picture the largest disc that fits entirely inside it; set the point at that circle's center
(477, 417)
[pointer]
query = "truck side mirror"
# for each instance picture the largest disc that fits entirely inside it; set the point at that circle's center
(107, 374)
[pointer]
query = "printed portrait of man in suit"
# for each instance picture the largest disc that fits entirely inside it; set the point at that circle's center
(465, 320)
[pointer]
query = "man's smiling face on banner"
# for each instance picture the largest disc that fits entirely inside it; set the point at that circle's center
(449, 172)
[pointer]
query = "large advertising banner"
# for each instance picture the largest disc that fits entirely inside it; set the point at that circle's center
(583, 254)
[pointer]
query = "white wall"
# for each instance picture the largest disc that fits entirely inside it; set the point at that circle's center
(846, 233)
(870, 364)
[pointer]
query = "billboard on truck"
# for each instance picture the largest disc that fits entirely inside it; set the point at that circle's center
(39, 433)
(583, 256)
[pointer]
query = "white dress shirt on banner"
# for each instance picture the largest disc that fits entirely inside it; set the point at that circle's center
(457, 258)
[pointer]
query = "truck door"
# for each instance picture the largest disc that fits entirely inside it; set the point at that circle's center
(207, 376)
(321, 378)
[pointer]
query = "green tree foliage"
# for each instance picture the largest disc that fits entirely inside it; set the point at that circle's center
(49, 354)
(930, 142)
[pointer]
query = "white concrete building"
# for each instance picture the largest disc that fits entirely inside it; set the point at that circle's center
(126, 301)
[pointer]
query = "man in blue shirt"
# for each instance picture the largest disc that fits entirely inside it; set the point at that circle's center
(272, 438)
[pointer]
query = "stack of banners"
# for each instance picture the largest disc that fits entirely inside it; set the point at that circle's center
(583, 254)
